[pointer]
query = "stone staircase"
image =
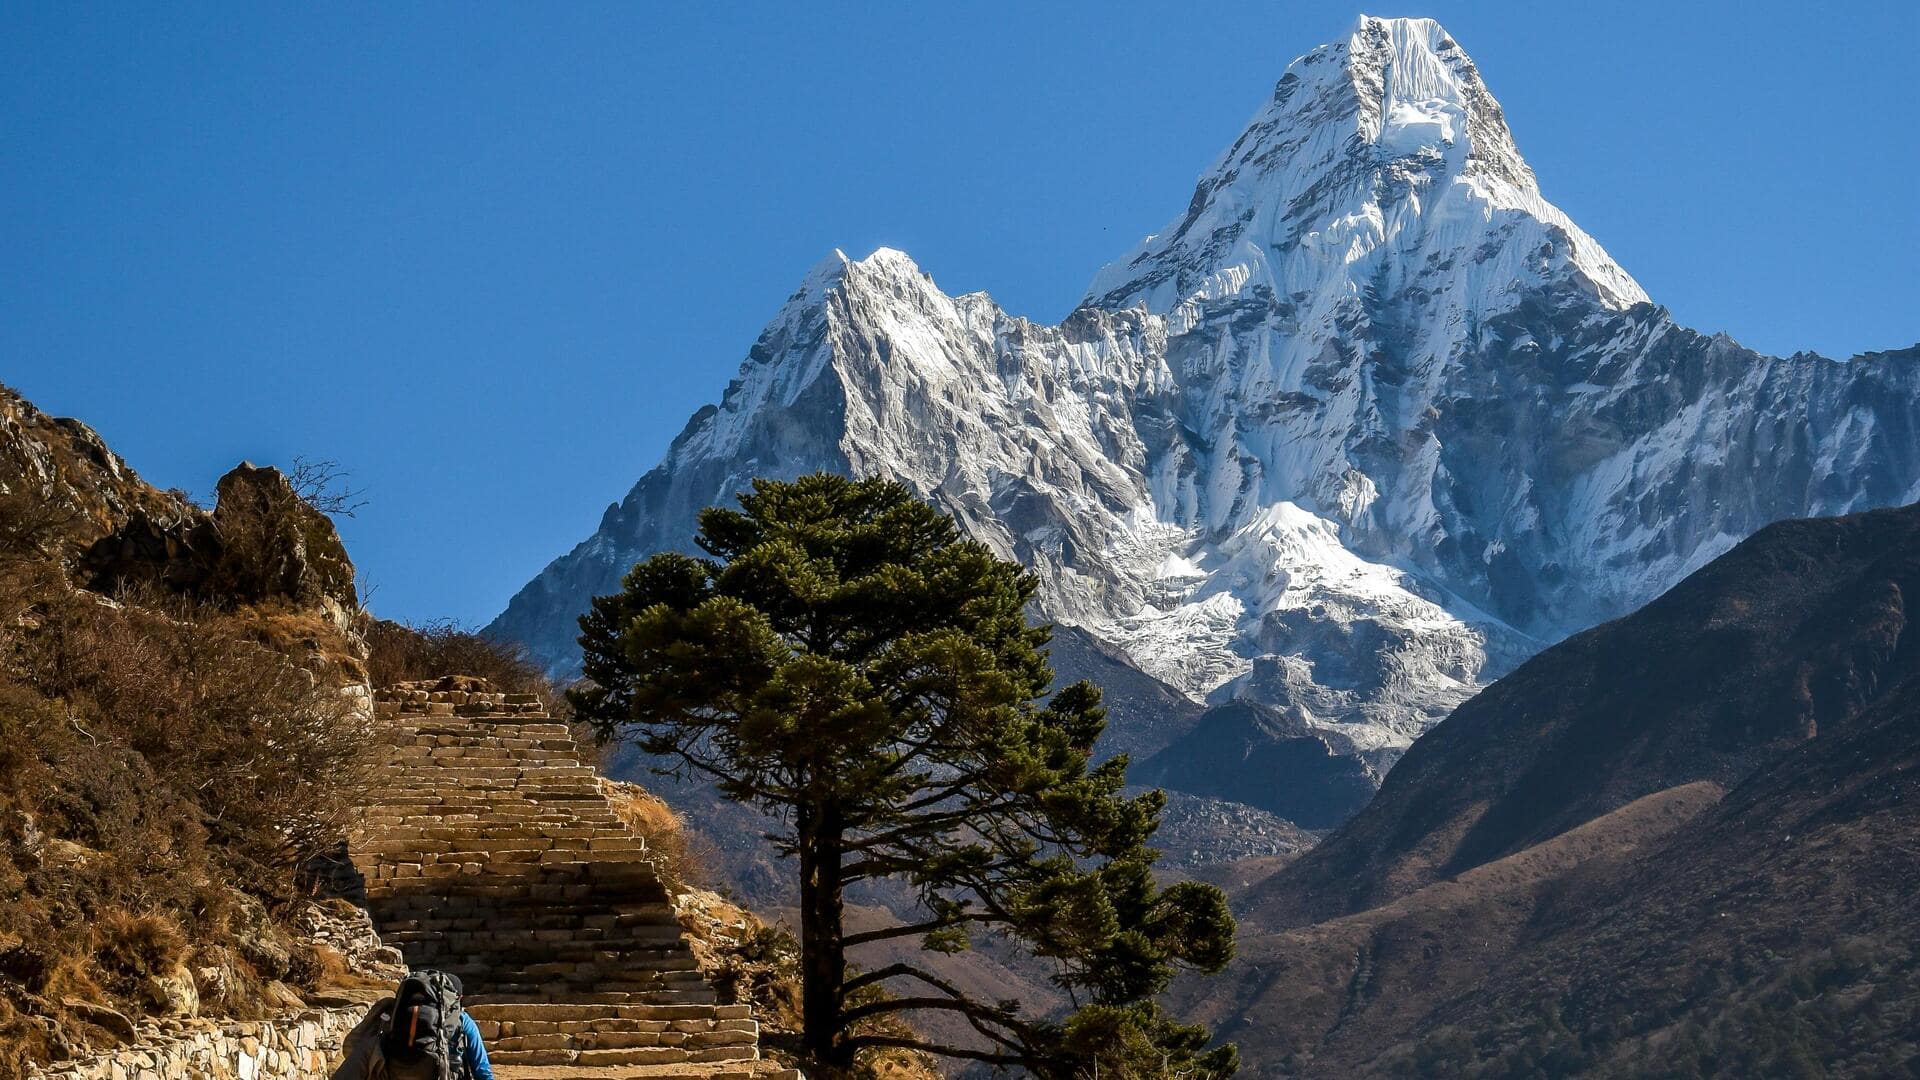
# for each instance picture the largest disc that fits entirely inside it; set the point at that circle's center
(488, 850)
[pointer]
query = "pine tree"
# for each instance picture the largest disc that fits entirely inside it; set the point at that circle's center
(846, 661)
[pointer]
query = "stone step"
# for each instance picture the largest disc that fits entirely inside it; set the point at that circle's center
(617, 1034)
(563, 866)
(421, 904)
(665, 988)
(555, 883)
(639, 1035)
(453, 775)
(407, 916)
(596, 967)
(469, 761)
(580, 1011)
(638, 1055)
(466, 733)
(506, 1048)
(636, 965)
(512, 824)
(608, 959)
(598, 999)
(601, 1019)
(542, 836)
(515, 836)
(501, 793)
(561, 872)
(426, 803)
(490, 778)
(603, 964)
(458, 931)
(507, 835)
(562, 851)
(445, 748)
(497, 819)
(740, 1070)
(421, 814)
(504, 726)
(577, 927)
(456, 898)
(425, 771)
(532, 841)
(505, 814)
(535, 848)
(677, 994)
(547, 978)
(530, 831)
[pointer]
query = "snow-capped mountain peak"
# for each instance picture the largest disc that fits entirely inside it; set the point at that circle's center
(1369, 422)
(1379, 160)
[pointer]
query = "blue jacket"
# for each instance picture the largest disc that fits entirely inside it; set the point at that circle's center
(474, 1053)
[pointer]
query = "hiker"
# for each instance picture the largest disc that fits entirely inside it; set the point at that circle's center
(420, 1033)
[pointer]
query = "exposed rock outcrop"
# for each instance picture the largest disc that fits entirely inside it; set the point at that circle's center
(261, 542)
(62, 488)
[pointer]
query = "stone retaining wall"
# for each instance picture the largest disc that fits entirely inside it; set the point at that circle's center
(303, 1046)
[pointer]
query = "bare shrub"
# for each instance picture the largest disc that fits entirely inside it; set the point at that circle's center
(33, 526)
(137, 945)
(322, 484)
(270, 748)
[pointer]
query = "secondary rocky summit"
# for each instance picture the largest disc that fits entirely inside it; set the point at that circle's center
(1367, 424)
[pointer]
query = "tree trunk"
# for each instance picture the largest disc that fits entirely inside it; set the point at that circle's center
(823, 959)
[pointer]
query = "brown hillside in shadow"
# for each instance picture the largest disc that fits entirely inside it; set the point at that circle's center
(1548, 886)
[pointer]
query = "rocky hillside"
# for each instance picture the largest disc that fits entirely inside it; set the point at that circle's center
(64, 489)
(1367, 423)
(1677, 844)
(182, 716)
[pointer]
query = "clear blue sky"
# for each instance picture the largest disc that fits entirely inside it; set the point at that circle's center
(491, 257)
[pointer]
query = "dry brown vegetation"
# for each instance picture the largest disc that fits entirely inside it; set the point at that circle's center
(677, 855)
(409, 652)
(165, 762)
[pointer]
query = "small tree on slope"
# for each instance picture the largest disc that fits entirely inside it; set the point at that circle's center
(845, 660)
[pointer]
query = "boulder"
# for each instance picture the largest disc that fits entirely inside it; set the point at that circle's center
(173, 992)
(261, 542)
(279, 546)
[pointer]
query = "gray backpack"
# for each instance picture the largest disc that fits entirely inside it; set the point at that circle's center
(424, 1038)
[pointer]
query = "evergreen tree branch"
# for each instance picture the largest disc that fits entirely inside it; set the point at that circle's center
(917, 929)
(862, 1042)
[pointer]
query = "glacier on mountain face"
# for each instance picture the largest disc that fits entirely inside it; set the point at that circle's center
(1366, 425)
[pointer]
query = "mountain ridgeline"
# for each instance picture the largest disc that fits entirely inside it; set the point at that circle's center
(1364, 427)
(1678, 844)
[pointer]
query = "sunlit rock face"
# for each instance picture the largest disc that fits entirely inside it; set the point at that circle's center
(1366, 425)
